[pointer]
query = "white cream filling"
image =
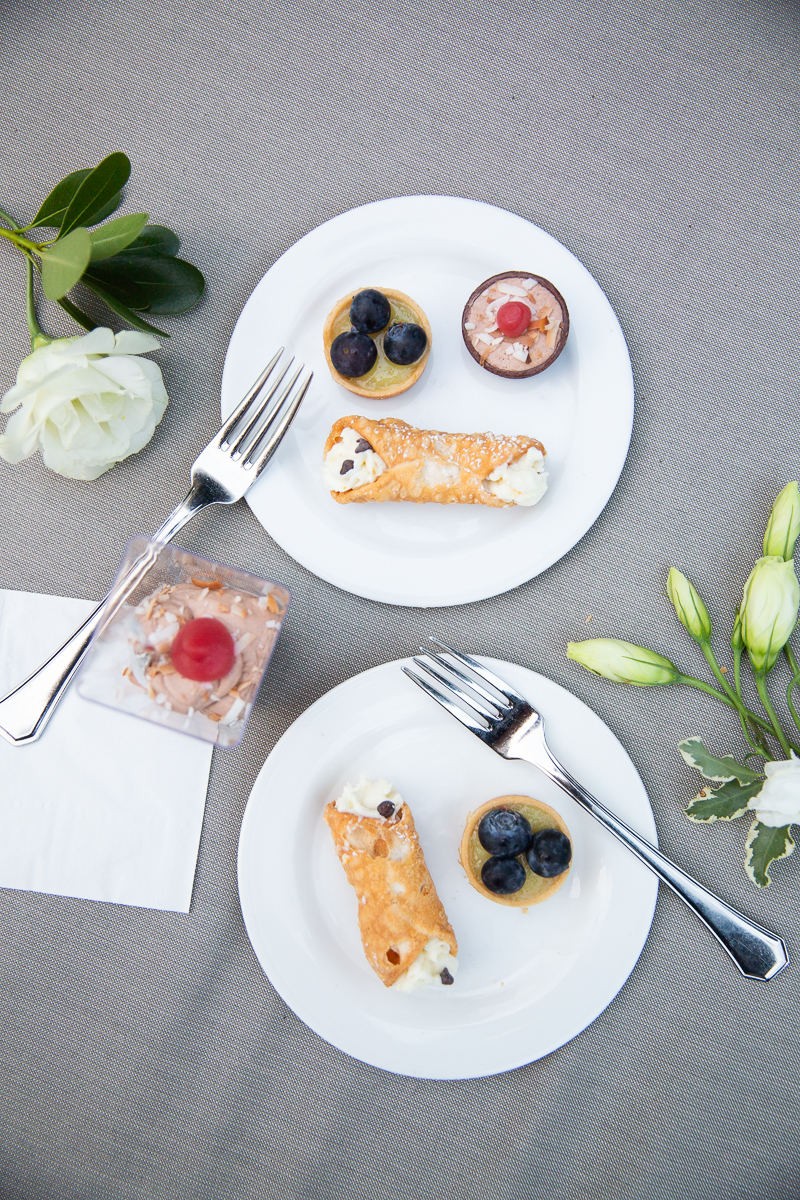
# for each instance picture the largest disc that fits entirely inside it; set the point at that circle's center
(362, 798)
(522, 482)
(427, 967)
(366, 464)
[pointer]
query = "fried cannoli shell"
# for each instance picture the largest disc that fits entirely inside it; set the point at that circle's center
(425, 466)
(398, 908)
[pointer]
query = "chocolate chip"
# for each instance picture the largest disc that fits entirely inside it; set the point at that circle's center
(362, 445)
(393, 956)
(446, 977)
(386, 808)
(347, 465)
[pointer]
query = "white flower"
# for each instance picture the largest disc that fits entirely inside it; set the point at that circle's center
(778, 802)
(85, 402)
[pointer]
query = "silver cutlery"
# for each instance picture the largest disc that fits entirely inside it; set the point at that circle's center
(510, 726)
(223, 472)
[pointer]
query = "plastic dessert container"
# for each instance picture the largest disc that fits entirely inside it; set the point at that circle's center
(190, 646)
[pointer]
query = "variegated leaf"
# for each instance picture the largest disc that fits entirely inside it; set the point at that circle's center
(765, 845)
(719, 770)
(724, 803)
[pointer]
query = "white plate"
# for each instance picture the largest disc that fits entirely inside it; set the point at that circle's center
(527, 982)
(436, 249)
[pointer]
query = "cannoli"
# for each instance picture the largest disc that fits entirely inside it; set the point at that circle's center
(406, 935)
(391, 460)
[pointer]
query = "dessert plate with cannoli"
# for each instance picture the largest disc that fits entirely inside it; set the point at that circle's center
(427, 907)
(471, 408)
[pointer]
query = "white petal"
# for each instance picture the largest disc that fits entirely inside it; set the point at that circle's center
(130, 341)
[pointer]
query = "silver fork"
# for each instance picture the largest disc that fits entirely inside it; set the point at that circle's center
(223, 472)
(507, 723)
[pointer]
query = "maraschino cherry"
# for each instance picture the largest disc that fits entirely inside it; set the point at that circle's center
(203, 650)
(513, 318)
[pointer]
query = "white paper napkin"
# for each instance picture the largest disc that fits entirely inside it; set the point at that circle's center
(104, 806)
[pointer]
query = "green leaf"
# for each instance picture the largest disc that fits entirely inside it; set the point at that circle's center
(169, 285)
(64, 262)
(155, 239)
(119, 308)
(116, 235)
(766, 845)
(77, 314)
(725, 803)
(107, 209)
(51, 214)
(719, 770)
(96, 191)
(123, 290)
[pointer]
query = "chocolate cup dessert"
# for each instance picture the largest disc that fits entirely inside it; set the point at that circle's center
(473, 855)
(532, 350)
(385, 379)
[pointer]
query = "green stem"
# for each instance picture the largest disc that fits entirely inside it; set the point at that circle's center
(20, 242)
(794, 681)
(690, 681)
(737, 670)
(715, 668)
(770, 711)
(34, 327)
(734, 695)
(10, 220)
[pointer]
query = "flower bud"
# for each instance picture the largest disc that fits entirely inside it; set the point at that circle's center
(689, 605)
(769, 610)
(622, 662)
(784, 524)
(737, 642)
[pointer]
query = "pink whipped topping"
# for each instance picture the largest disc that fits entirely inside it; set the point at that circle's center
(249, 619)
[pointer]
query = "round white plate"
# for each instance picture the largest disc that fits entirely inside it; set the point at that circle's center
(527, 982)
(436, 249)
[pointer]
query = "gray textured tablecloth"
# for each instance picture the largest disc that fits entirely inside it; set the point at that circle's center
(145, 1054)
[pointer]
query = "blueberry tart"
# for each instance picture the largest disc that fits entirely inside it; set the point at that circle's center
(377, 342)
(516, 851)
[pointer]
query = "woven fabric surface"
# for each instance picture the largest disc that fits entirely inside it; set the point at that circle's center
(146, 1055)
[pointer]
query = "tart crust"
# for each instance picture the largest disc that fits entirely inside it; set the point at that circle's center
(562, 333)
(470, 846)
(414, 370)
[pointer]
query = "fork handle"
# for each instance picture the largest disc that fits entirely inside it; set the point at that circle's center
(757, 953)
(24, 713)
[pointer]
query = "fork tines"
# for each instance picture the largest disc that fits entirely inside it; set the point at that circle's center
(243, 436)
(463, 696)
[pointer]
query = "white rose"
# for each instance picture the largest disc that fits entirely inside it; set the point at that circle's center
(85, 402)
(778, 802)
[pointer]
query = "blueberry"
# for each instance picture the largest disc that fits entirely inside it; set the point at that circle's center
(353, 354)
(550, 853)
(503, 831)
(405, 343)
(503, 875)
(369, 311)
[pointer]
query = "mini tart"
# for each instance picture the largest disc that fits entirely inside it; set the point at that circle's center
(545, 346)
(385, 379)
(472, 854)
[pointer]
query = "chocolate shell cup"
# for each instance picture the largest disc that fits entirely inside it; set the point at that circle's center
(482, 356)
(472, 854)
(385, 379)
